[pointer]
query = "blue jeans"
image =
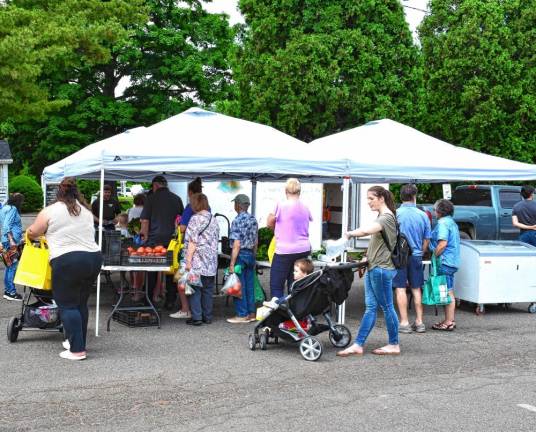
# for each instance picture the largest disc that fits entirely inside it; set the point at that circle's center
(528, 237)
(201, 299)
(73, 274)
(282, 271)
(378, 292)
(9, 275)
(246, 305)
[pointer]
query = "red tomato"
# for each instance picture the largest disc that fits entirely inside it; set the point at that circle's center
(133, 253)
(164, 250)
(149, 250)
(130, 249)
(158, 249)
(141, 250)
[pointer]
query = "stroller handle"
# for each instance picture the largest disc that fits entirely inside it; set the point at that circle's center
(350, 265)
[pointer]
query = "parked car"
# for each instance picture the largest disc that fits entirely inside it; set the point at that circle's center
(484, 212)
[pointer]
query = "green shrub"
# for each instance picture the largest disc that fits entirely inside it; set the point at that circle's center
(126, 203)
(88, 188)
(33, 194)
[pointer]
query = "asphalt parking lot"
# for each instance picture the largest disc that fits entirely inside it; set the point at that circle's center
(179, 378)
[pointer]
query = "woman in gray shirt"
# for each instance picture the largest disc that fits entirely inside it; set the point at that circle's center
(379, 275)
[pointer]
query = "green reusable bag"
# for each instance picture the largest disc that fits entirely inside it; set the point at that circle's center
(435, 290)
(260, 296)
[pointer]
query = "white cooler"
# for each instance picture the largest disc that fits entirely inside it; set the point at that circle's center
(496, 272)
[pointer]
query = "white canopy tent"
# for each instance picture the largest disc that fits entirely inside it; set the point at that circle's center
(215, 146)
(385, 151)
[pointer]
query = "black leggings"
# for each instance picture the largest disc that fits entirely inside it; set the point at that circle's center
(73, 275)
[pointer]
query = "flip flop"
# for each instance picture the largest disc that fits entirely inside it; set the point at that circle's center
(381, 351)
(348, 354)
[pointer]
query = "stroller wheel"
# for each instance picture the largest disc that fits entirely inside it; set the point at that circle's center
(13, 329)
(263, 341)
(340, 336)
(310, 348)
(251, 342)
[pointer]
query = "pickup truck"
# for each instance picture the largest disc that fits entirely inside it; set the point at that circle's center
(484, 212)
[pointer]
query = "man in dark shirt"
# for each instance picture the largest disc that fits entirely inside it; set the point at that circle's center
(524, 216)
(110, 209)
(158, 218)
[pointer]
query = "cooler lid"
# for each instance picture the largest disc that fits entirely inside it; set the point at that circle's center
(500, 247)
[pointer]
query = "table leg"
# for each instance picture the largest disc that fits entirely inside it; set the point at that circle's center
(149, 302)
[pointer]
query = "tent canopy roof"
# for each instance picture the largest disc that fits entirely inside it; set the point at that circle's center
(219, 147)
(387, 151)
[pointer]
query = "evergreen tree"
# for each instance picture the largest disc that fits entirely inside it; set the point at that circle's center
(315, 67)
(479, 71)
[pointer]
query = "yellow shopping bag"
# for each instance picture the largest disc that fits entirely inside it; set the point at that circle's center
(271, 250)
(175, 245)
(34, 266)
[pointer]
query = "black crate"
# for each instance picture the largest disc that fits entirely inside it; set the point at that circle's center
(136, 318)
(111, 247)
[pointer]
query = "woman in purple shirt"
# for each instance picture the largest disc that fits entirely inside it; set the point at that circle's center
(290, 223)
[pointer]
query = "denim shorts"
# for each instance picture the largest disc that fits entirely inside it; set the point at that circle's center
(412, 273)
(448, 271)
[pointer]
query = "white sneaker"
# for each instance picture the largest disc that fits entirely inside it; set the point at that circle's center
(181, 315)
(70, 356)
(272, 304)
(66, 344)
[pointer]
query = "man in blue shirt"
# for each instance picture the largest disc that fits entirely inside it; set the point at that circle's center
(243, 238)
(415, 225)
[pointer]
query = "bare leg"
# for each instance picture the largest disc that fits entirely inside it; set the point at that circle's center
(402, 303)
(185, 306)
(450, 309)
(417, 301)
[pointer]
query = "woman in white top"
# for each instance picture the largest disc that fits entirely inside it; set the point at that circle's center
(135, 211)
(75, 259)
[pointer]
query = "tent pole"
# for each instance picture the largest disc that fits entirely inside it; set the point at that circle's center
(44, 188)
(253, 197)
(101, 210)
(344, 228)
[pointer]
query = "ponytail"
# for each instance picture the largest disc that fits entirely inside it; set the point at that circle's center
(387, 195)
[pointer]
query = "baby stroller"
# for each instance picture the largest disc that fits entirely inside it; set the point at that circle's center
(39, 313)
(309, 297)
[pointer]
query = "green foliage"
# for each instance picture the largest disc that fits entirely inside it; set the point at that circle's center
(170, 56)
(313, 68)
(265, 235)
(125, 203)
(33, 194)
(88, 188)
(480, 75)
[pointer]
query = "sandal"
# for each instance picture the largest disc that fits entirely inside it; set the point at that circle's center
(444, 327)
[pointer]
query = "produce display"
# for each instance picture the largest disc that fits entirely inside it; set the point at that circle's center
(147, 255)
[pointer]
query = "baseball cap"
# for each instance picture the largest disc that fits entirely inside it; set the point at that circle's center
(241, 199)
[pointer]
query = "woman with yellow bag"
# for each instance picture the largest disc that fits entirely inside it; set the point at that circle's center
(75, 259)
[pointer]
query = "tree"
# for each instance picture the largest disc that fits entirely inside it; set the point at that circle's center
(315, 67)
(170, 57)
(479, 74)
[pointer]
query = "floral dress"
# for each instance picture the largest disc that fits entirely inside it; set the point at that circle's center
(204, 231)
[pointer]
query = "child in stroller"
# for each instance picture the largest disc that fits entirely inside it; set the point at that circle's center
(308, 297)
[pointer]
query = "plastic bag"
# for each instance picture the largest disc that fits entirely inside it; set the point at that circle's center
(335, 248)
(188, 289)
(232, 286)
(194, 279)
(178, 274)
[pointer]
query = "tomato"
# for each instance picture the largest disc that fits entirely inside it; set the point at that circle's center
(149, 254)
(149, 249)
(164, 250)
(141, 250)
(130, 249)
(158, 249)
(134, 253)
(231, 291)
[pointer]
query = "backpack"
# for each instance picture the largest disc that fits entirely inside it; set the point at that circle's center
(402, 250)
